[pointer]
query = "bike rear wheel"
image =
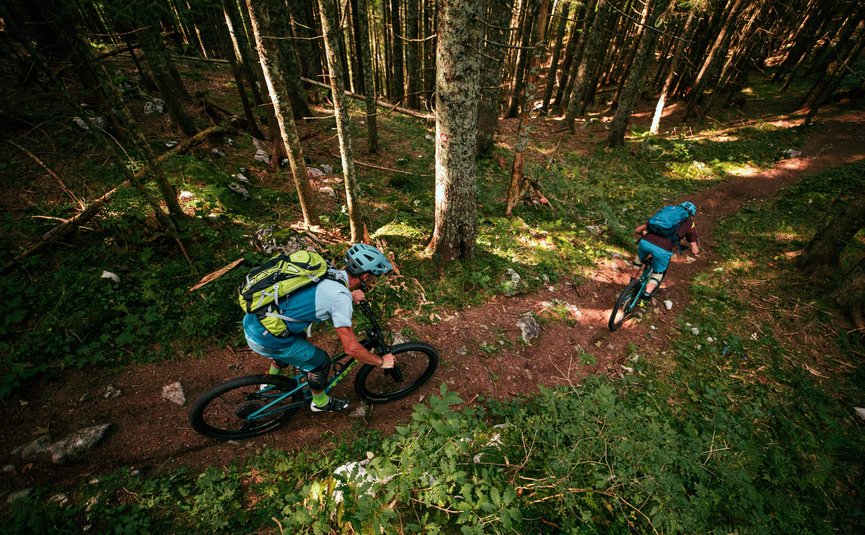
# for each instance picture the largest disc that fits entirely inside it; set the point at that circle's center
(245, 407)
(625, 304)
(416, 362)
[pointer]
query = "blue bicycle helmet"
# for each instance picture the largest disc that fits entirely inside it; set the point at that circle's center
(690, 207)
(362, 258)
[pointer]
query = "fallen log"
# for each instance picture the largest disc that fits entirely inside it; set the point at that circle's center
(95, 205)
(384, 104)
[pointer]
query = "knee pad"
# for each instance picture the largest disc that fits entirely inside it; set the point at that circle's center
(658, 277)
(317, 378)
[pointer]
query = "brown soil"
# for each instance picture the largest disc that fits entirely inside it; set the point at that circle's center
(150, 433)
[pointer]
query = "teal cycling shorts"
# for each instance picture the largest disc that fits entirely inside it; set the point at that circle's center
(295, 351)
(660, 257)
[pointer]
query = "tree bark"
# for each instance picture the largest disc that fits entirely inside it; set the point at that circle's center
(674, 65)
(242, 48)
(535, 58)
(457, 74)
(581, 78)
(284, 118)
(822, 255)
(493, 53)
(277, 30)
(557, 51)
(397, 91)
(527, 27)
(327, 10)
(368, 77)
(412, 55)
(637, 75)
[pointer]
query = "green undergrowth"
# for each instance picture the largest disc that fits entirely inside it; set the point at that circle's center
(63, 315)
(745, 424)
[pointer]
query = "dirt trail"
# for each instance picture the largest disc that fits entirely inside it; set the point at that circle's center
(150, 433)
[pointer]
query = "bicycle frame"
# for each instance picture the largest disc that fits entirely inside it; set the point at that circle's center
(375, 339)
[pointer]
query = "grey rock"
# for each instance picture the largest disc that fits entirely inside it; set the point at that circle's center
(17, 495)
(111, 392)
(529, 327)
(154, 106)
(360, 412)
(35, 448)
(69, 448)
(261, 156)
(174, 393)
(240, 190)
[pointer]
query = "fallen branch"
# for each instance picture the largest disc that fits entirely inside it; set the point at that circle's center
(207, 279)
(373, 166)
(91, 210)
(51, 172)
(382, 103)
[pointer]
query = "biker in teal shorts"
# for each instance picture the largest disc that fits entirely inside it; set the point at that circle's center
(331, 299)
(661, 248)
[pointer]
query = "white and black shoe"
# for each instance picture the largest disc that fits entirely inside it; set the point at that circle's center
(333, 405)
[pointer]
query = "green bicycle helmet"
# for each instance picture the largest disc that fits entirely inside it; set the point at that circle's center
(362, 258)
(690, 207)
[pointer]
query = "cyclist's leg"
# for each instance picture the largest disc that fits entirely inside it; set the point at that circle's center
(637, 264)
(316, 363)
(660, 263)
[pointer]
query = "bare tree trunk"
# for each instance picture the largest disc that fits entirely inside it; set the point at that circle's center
(823, 252)
(412, 55)
(535, 58)
(674, 65)
(397, 91)
(493, 53)
(637, 75)
(581, 79)
(457, 73)
(527, 27)
(576, 47)
(554, 61)
(368, 77)
(284, 118)
(711, 58)
(234, 23)
(277, 30)
(332, 39)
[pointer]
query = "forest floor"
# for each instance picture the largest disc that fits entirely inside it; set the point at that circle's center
(481, 348)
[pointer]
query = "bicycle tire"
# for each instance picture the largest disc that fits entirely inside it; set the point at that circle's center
(416, 362)
(624, 304)
(221, 412)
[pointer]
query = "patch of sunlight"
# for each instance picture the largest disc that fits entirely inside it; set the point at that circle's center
(747, 91)
(399, 228)
(786, 236)
(742, 170)
(741, 264)
(537, 241)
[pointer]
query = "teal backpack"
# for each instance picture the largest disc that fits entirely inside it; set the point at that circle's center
(271, 283)
(666, 223)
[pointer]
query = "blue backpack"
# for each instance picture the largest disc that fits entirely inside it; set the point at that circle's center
(666, 222)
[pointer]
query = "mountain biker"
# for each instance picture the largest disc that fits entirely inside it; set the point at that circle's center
(330, 299)
(661, 248)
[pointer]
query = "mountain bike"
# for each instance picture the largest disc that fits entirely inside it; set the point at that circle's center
(256, 404)
(630, 296)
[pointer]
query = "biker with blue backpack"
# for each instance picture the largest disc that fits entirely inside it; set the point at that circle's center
(661, 235)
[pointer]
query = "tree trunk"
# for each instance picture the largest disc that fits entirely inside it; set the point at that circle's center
(498, 16)
(457, 74)
(528, 25)
(430, 44)
(283, 115)
(412, 55)
(327, 10)
(851, 295)
(822, 255)
(535, 57)
(674, 65)
(637, 75)
(303, 22)
(576, 47)
(711, 58)
(278, 31)
(242, 48)
(581, 78)
(368, 77)
(397, 91)
(554, 61)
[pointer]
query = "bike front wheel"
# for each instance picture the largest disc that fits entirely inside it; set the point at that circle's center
(416, 362)
(246, 407)
(625, 304)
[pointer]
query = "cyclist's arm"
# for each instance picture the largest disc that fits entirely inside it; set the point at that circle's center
(354, 349)
(641, 230)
